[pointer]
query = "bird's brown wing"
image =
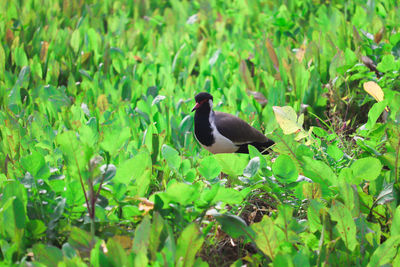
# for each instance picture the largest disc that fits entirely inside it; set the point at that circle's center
(237, 130)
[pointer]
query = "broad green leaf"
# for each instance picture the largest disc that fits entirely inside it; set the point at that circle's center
(314, 212)
(232, 164)
(142, 235)
(228, 196)
(171, 156)
(36, 228)
(374, 113)
(282, 260)
(319, 172)
(181, 193)
(156, 239)
(345, 224)
(284, 169)
(81, 240)
(335, 152)
(112, 144)
(209, 167)
(20, 57)
(36, 165)
(116, 253)
(366, 169)
(287, 119)
(47, 255)
(75, 40)
(13, 211)
(266, 237)
(387, 64)
(395, 228)
(346, 192)
(14, 97)
(253, 152)
(252, 168)
(234, 226)
(385, 253)
(188, 244)
(136, 172)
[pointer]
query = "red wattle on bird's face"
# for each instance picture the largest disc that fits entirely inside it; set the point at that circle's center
(199, 104)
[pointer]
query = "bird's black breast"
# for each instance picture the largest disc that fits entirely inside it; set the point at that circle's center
(202, 129)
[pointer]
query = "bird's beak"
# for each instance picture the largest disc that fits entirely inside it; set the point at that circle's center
(195, 107)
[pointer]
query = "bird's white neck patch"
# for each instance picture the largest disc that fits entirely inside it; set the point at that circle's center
(221, 143)
(210, 102)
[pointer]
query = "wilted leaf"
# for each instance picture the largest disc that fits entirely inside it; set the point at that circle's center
(287, 119)
(272, 54)
(374, 90)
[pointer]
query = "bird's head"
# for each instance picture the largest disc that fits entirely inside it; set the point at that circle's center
(201, 99)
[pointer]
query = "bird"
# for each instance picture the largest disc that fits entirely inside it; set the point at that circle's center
(220, 132)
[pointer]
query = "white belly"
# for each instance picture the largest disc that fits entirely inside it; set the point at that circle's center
(221, 144)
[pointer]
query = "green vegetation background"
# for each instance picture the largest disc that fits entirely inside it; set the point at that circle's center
(98, 161)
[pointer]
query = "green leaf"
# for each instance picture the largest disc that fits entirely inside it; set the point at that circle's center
(136, 171)
(171, 156)
(36, 228)
(387, 64)
(345, 224)
(80, 239)
(142, 235)
(232, 164)
(234, 226)
(2, 62)
(395, 228)
(188, 244)
(181, 193)
(209, 167)
(284, 169)
(75, 40)
(319, 172)
(110, 142)
(252, 168)
(346, 191)
(156, 239)
(36, 165)
(47, 255)
(314, 212)
(335, 152)
(266, 237)
(116, 253)
(20, 57)
(385, 253)
(374, 113)
(366, 169)
(228, 196)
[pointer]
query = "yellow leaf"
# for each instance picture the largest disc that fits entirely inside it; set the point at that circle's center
(102, 103)
(287, 119)
(374, 90)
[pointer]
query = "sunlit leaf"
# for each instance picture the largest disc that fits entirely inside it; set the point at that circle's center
(287, 119)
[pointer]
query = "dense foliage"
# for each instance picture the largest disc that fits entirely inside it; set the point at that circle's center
(98, 161)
